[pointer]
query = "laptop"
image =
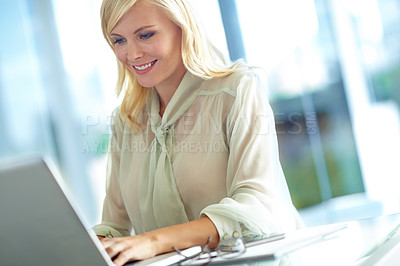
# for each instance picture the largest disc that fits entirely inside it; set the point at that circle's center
(39, 223)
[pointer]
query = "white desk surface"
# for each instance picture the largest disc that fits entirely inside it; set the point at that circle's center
(367, 242)
(362, 243)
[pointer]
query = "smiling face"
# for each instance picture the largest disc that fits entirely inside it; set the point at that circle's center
(148, 43)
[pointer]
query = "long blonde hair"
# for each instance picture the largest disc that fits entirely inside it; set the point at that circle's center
(199, 56)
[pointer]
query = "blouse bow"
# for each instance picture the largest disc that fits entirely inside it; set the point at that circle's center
(159, 200)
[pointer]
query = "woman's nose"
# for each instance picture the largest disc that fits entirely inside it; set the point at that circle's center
(134, 52)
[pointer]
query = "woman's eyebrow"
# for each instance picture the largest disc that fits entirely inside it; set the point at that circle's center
(135, 32)
(143, 28)
(115, 35)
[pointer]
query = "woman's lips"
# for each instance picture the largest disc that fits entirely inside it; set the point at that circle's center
(145, 68)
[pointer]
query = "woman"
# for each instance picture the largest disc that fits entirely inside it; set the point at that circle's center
(193, 153)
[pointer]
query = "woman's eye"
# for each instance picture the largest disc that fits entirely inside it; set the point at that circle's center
(119, 41)
(145, 36)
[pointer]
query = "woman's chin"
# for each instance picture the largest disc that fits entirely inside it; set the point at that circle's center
(146, 83)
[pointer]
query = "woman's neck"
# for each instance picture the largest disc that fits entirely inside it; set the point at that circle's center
(167, 91)
(165, 97)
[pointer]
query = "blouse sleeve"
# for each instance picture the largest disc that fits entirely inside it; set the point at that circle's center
(258, 202)
(115, 220)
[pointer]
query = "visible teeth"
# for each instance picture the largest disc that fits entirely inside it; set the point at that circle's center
(144, 66)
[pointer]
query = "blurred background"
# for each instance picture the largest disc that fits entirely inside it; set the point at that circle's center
(334, 84)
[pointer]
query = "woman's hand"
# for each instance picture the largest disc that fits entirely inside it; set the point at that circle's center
(147, 245)
(124, 249)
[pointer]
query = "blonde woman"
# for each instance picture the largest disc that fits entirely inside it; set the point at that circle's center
(194, 152)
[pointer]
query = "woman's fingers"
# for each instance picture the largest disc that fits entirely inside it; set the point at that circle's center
(124, 256)
(124, 249)
(114, 246)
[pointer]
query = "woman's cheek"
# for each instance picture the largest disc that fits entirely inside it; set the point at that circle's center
(120, 55)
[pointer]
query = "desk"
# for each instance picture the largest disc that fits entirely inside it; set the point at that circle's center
(359, 243)
(349, 247)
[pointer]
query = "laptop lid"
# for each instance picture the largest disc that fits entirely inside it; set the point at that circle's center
(39, 223)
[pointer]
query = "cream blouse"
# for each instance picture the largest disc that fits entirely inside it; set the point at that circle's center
(214, 152)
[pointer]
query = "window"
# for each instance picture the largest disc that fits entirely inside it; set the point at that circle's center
(334, 68)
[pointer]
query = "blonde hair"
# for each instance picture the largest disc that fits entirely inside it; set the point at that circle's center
(199, 56)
